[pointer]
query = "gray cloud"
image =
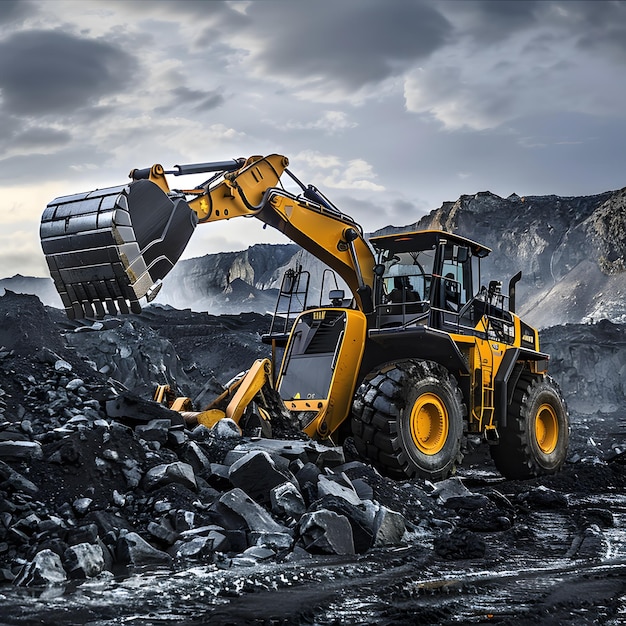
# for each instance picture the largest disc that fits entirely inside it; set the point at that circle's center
(41, 137)
(63, 164)
(598, 25)
(487, 21)
(196, 99)
(352, 42)
(43, 72)
(12, 11)
(17, 135)
(592, 24)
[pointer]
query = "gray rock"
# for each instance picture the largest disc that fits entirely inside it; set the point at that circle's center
(74, 384)
(259, 553)
(62, 366)
(330, 457)
(363, 489)
(287, 501)
(20, 450)
(275, 541)
(154, 430)
(307, 478)
(16, 481)
(119, 499)
(87, 533)
(168, 473)
(221, 541)
(257, 474)
(184, 520)
(81, 505)
(226, 429)
(326, 532)
(163, 532)
(132, 472)
(46, 568)
(108, 522)
(290, 450)
(176, 436)
(389, 527)
(195, 548)
(84, 560)
(194, 455)
(247, 513)
(328, 487)
(306, 450)
(449, 488)
(133, 550)
(361, 521)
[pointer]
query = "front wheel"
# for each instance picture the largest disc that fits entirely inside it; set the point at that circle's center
(535, 439)
(407, 420)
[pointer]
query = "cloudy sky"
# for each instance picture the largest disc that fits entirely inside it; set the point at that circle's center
(391, 107)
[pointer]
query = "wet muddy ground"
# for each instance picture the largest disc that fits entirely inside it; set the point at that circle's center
(562, 561)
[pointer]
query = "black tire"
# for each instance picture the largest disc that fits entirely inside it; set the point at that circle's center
(536, 437)
(408, 419)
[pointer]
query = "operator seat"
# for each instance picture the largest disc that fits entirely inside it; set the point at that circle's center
(403, 291)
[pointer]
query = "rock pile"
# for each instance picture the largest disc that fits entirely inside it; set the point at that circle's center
(94, 480)
(81, 493)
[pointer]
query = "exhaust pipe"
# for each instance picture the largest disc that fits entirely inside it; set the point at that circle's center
(512, 284)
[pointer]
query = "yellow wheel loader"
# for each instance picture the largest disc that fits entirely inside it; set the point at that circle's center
(417, 356)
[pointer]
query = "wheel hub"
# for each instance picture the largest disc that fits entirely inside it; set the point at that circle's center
(546, 428)
(429, 424)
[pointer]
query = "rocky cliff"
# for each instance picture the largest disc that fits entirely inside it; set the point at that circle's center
(571, 250)
(228, 282)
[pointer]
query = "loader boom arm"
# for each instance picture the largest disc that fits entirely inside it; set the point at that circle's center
(143, 227)
(317, 226)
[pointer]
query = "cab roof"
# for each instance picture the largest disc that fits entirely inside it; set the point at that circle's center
(425, 240)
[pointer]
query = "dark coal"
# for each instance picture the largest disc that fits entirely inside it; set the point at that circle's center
(98, 482)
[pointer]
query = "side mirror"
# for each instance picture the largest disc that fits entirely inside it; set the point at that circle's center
(336, 294)
(379, 269)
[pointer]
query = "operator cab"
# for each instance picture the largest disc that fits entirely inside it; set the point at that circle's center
(432, 278)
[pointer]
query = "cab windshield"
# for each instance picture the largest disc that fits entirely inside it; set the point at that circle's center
(408, 276)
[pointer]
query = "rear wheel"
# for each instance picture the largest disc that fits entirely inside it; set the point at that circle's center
(535, 439)
(407, 420)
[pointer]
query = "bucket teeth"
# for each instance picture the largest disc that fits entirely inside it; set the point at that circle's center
(107, 248)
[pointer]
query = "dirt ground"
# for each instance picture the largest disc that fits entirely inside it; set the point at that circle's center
(545, 551)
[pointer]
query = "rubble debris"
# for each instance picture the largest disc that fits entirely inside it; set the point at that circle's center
(89, 487)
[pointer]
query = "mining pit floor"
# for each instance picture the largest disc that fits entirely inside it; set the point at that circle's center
(561, 560)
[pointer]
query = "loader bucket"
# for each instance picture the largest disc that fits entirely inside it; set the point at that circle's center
(108, 248)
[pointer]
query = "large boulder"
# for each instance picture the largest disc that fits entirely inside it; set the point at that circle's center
(46, 568)
(257, 474)
(326, 532)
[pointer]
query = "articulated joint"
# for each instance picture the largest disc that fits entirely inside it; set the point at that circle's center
(155, 174)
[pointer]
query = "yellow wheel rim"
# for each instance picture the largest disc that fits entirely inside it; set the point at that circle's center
(546, 428)
(429, 424)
